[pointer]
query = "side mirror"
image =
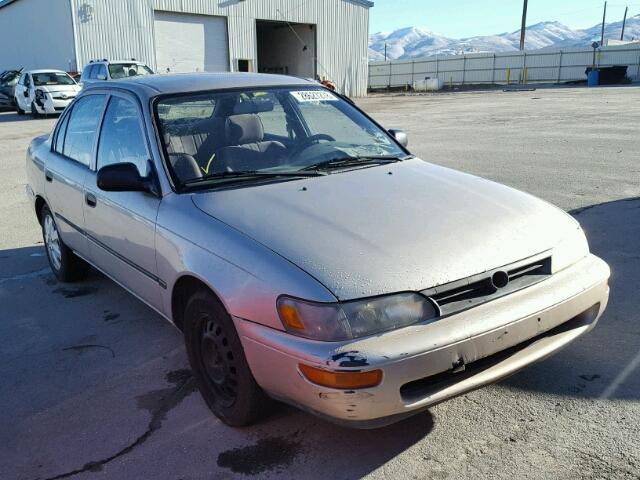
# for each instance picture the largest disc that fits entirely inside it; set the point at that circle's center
(26, 94)
(400, 136)
(124, 177)
(102, 76)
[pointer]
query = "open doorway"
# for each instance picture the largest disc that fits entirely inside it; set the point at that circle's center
(286, 48)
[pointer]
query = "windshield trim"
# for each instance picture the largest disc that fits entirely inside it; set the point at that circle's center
(164, 154)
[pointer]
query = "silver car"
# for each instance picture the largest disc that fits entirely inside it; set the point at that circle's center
(306, 255)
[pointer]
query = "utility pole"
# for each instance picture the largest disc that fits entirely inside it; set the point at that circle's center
(604, 19)
(624, 21)
(385, 51)
(523, 28)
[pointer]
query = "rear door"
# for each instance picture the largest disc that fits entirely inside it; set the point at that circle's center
(121, 225)
(67, 167)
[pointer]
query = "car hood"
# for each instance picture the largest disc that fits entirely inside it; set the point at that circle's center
(402, 227)
(68, 89)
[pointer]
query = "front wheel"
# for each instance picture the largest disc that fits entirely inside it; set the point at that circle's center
(218, 363)
(18, 109)
(34, 111)
(66, 265)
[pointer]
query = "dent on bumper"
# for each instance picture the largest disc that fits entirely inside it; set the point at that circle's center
(483, 344)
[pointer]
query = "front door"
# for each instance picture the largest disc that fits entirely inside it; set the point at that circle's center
(121, 225)
(23, 93)
(67, 167)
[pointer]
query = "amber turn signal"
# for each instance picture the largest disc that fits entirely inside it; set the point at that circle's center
(290, 316)
(341, 380)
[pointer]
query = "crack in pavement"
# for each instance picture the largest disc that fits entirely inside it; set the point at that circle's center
(82, 348)
(158, 403)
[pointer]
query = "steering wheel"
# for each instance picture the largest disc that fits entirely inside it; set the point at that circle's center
(309, 141)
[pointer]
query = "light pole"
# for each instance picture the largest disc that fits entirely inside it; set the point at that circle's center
(523, 28)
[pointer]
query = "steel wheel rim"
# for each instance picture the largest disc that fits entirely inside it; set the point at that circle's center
(52, 242)
(218, 362)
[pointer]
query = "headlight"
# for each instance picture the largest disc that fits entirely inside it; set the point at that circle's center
(345, 321)
(570, 250)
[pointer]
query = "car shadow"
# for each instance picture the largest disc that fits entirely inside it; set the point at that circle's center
(11, 116)
(605, 363)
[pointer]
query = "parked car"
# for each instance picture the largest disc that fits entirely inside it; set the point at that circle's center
(44, 92)
(8, 82)
(105, 70)
(304, 252)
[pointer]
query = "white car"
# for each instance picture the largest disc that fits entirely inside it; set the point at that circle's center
(43, 92)
(105, 70)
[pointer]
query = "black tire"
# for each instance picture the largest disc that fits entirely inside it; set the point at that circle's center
(34, 111)
(19, 110)
(218, 363)
(66, 265)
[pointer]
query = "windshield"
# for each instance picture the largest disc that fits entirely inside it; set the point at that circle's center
(124, 70)
(216, 137)
(52, 78)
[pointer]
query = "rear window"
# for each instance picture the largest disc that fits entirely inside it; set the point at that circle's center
(124, 70)
(52, 78)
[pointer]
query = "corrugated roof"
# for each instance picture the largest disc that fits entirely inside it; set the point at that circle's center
(364, 3)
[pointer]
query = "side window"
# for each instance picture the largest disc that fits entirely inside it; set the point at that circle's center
(82, 128)
(27, 80)
(100, 70)
(121, 138)
(62, 131)
(86, 73)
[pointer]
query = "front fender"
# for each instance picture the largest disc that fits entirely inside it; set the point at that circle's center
(246, 276)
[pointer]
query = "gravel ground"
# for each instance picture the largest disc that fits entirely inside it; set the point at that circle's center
(93, 384)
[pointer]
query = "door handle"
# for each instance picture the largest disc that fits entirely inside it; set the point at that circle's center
(91, 200)
(48, 177)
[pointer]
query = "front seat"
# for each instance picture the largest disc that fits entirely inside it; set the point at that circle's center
(247, 148)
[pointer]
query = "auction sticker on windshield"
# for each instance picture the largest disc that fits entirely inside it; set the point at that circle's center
(314, 96)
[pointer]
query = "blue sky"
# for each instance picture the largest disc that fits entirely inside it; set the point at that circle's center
(465, 18)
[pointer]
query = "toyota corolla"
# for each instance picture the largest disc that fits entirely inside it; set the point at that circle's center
(305, 253)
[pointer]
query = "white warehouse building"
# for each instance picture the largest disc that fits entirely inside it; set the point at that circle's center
(307, 38)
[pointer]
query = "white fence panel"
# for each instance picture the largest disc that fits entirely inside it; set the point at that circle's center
(548, 66)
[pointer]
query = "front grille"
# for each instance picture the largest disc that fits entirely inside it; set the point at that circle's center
(470, 292)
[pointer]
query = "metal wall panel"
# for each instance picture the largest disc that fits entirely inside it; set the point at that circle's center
(37, 34)
(124, 28)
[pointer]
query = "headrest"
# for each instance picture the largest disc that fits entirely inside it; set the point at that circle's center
(185, 166)
(242, 129)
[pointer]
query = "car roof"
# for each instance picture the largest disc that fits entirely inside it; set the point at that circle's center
(154, 85)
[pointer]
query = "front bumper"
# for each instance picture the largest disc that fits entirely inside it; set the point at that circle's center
(482, 345)
(52, 105)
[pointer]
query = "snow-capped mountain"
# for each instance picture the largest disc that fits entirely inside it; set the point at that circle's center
(412, 42)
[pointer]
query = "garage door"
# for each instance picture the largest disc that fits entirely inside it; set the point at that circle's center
(191, 43)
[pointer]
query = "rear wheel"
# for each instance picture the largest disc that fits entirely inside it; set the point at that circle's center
(218, 363)
(66, 265)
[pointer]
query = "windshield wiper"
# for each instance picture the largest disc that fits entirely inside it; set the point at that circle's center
(344, 162)
(250, 175)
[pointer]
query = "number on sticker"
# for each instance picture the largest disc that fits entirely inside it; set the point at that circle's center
(314, 96)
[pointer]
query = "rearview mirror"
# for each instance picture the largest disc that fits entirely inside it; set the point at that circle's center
(124, 177)
(400, 136)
